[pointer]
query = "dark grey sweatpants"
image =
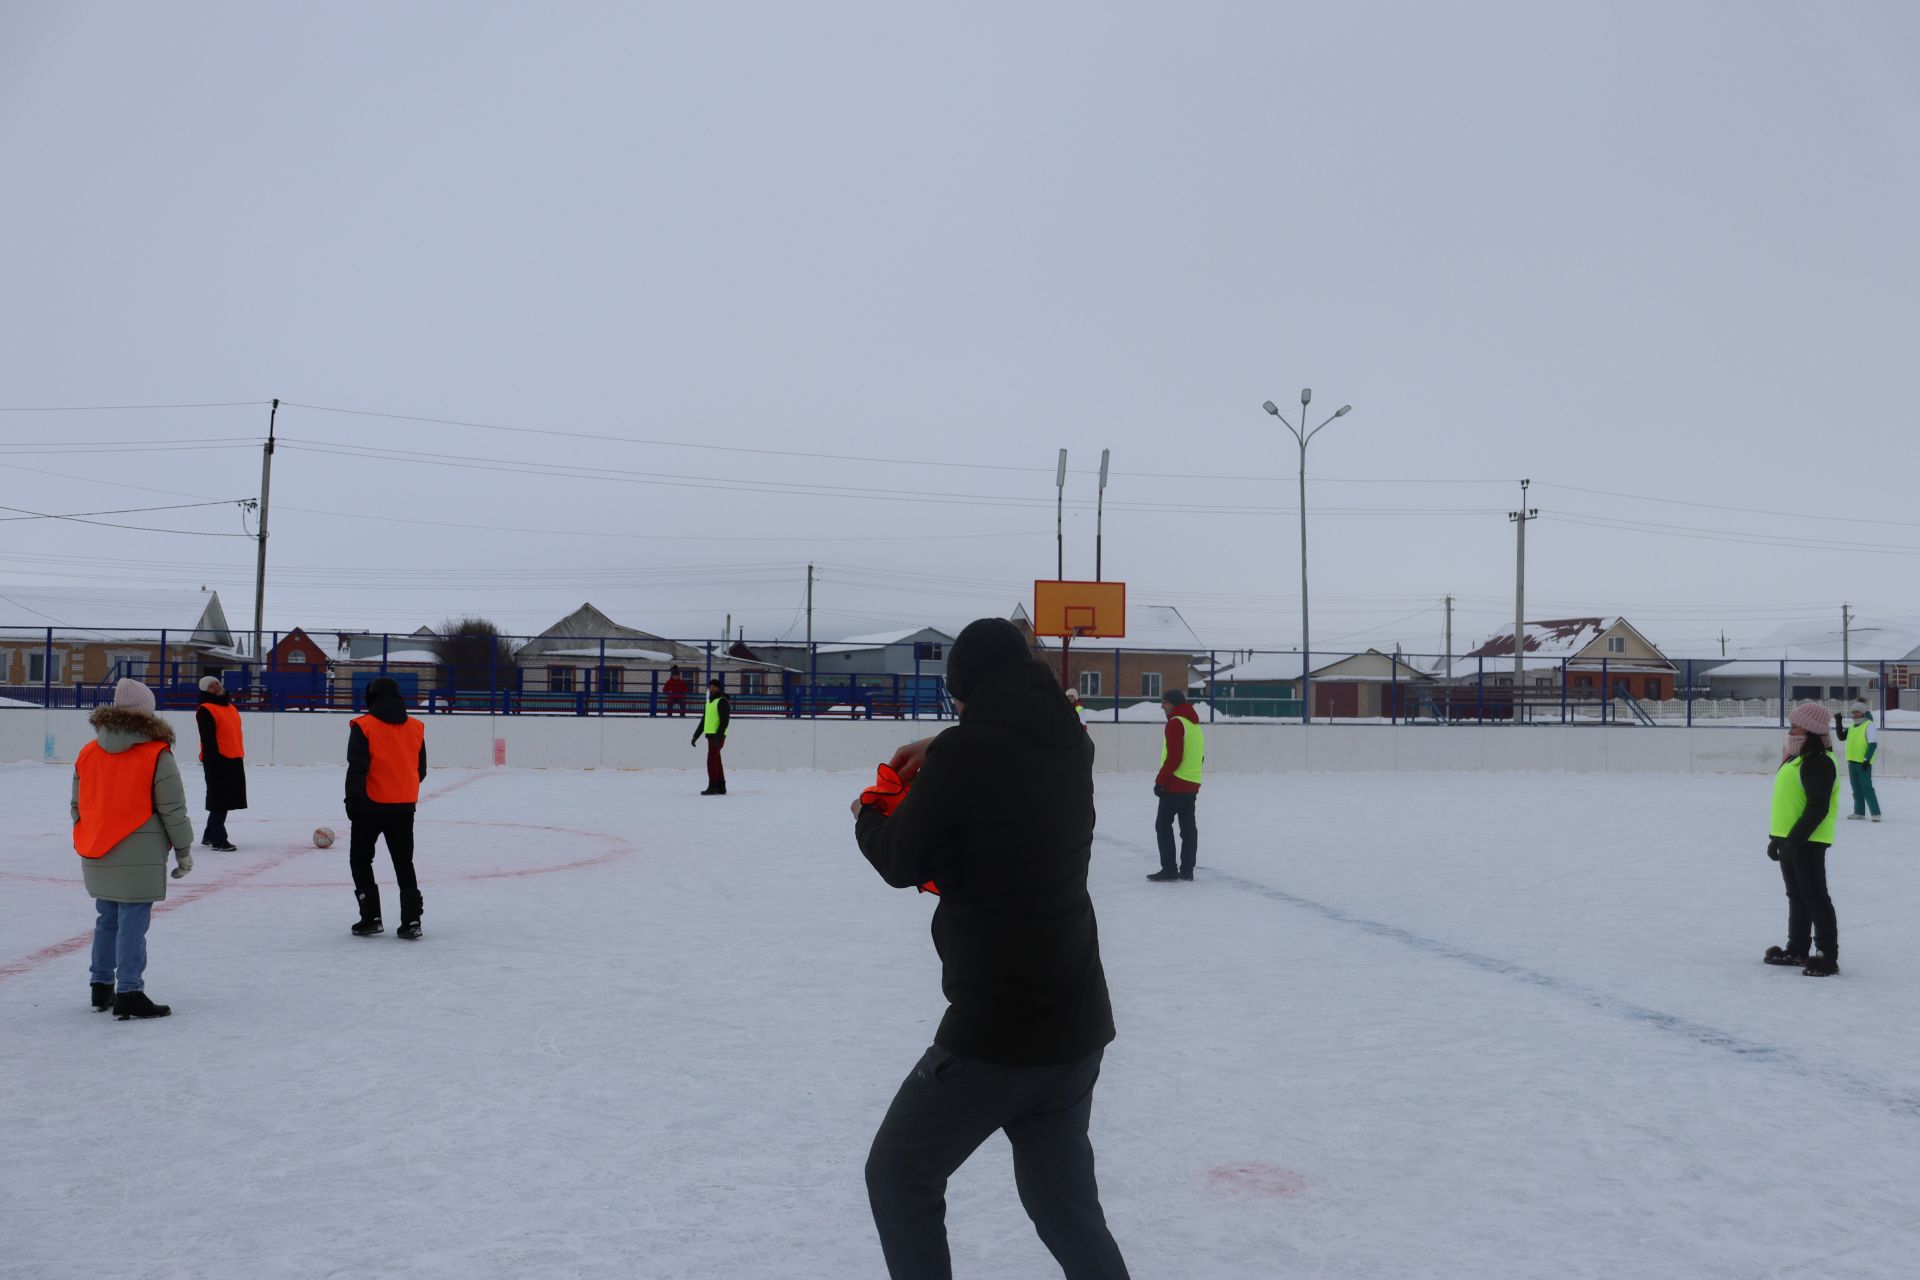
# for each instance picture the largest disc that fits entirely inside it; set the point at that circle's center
(945, 1109)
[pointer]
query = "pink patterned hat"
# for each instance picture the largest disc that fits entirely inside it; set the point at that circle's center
(1812, 717)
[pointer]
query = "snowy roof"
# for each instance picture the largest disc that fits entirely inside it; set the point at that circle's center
(1747, 668)
(639, 655)
(108, 614)
(1550, 638)
(1151, 628)
(1260, 666)
(1867, 637)
(885, 638)
(404, 657)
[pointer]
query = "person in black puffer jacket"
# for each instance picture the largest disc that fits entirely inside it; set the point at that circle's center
(1000, 818)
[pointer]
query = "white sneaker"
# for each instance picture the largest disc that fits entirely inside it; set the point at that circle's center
(1876, 817)
(1855, 817)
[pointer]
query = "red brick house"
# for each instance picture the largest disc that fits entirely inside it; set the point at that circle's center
(296, 652)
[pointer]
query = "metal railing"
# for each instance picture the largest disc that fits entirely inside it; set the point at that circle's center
(625, 675)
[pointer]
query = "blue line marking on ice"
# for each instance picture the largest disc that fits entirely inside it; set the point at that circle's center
(1903, 1103)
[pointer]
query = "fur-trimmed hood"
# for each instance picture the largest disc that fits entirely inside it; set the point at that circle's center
(117, 728)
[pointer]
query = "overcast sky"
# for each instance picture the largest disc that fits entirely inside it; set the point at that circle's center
(835, 282)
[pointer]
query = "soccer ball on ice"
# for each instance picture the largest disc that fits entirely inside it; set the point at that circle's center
(322, 837)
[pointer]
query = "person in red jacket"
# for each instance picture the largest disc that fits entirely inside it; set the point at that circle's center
(675, 690)
(1183, 753)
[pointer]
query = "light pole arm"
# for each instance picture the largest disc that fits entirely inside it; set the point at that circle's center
(1322, 427)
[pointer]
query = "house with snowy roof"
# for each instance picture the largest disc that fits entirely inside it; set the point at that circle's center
(1160, 651)
(1587, 649)
(587, 652)
(910, 651)
(67, 636)
(1802, 661)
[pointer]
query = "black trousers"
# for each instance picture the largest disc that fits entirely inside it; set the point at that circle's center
(216, 832)
(395, 822)
(950, 1104)
(1177, 805)
(1809, 909)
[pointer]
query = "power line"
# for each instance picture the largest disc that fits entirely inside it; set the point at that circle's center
(105, 408)
(121, 511)
(1715, 506)
(190, 533)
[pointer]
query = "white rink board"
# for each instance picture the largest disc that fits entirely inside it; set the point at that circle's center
(618, 742)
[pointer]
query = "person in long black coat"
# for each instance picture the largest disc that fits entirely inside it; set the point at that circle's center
(226, 774)
(999, 821)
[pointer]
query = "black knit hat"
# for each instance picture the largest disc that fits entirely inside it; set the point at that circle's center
(382, 687)
(986, 645)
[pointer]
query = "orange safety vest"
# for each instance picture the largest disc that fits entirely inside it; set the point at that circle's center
(226, 731)
(116, 795)
(393, 773)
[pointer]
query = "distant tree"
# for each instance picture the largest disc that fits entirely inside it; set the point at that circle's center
(473, 655)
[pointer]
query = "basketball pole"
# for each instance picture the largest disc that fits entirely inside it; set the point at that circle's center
(1059, 518)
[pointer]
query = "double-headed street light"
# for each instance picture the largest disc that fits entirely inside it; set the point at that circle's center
(1305, 437)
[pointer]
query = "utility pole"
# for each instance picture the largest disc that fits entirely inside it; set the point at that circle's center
(260, 569)
(1099, 513)
(726, 632)
(1723, 642)
(1846, 654)
(1059, 518)
(809, 608)
(1449, 665)
(1520, 518)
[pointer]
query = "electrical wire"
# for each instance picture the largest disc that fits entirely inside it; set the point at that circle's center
(121, 511)
(191, 533)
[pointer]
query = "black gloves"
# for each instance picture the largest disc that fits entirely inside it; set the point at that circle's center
(1773, 848)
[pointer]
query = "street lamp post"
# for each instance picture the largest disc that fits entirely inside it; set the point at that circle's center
(1305, 437)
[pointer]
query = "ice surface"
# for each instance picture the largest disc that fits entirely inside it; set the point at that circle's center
(1402, 1025)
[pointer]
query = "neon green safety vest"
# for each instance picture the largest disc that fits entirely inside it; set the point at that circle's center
(1192, 755)
(1790, 801)
(712, 723)
(1857, 742)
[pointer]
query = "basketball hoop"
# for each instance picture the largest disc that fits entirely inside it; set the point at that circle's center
(1063, 610)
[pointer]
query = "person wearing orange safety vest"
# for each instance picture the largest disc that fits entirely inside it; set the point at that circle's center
(386, 763)
(222, 759)
(129, 808)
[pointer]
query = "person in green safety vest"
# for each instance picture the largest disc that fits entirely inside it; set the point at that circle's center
(1805, 795)
(1183, 753)
(713, 727)
(1863, 744)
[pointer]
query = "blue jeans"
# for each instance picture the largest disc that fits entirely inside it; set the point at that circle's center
(120, 943)
(1861, 777)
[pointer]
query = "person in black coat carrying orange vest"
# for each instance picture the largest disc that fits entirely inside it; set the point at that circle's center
(222, 760)
(386, 763)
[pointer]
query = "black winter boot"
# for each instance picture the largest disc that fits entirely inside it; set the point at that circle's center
(1822, 965)
(102, 996)
(369, 914)
(1165, 874)
(1782, 956)
(134, 1004)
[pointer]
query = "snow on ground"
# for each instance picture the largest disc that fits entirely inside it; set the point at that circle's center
(1402, 1025)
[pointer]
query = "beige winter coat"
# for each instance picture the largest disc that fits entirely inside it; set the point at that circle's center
(135, 870)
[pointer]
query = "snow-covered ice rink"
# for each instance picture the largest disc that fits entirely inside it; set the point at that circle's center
(1460, 1025)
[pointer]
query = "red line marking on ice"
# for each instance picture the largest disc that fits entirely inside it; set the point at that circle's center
(1256, 1180)
(189, 894)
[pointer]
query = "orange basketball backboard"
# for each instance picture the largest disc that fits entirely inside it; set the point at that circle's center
(1080, 609)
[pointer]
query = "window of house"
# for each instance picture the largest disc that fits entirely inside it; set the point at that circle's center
(560, 679)
(37, 670)
(1583, 682)
(1089, 684)
(1806, 691)
(1149, 684)
(753, 682)
(297, 657)
(1616, 644)
(613, 680)
(928, 651)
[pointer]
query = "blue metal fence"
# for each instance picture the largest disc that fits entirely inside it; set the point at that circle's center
(623, 675)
